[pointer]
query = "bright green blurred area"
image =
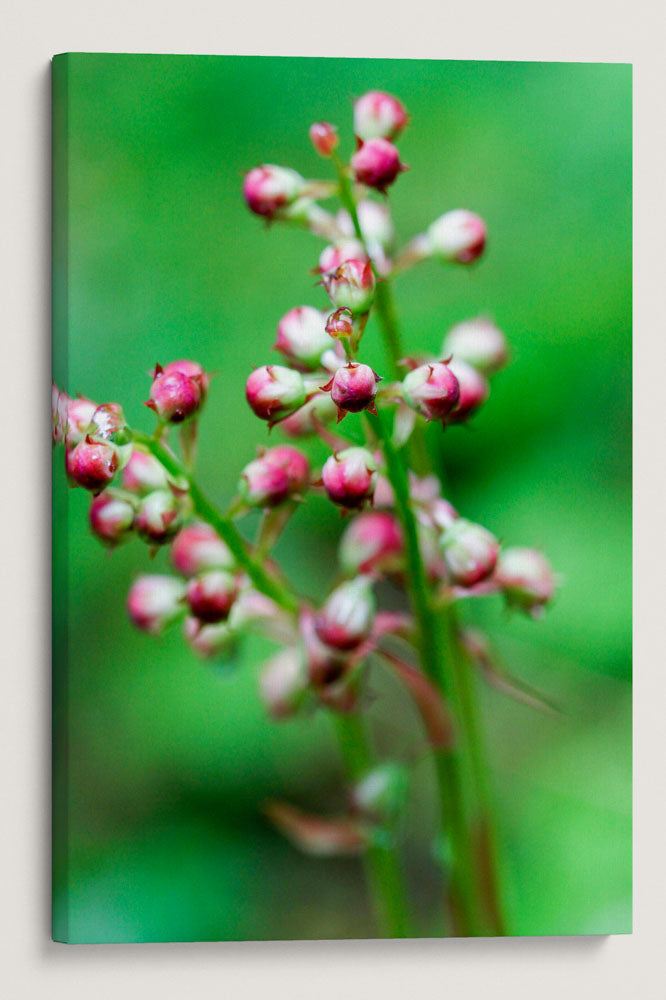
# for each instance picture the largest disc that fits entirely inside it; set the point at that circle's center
(166, 763)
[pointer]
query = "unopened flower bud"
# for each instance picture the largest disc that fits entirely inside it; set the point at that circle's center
(354, 387)
(432, 390)
(111, 518)
(79, 416)
(442, 513)
(319, 411)
(349, 477)
(302, 337)
(347, 616)
(474, 390)
(198, 548)
(155, 601)
(174, 397)
(325, 665)
(274, 392)
(470, 552)
(211, 595)
(372, 542)
(252, 608)
(293, 462)
(479, 343)
(92, 464)
(351, 286)
(457, 237)
(376, 164)
(262, 484)
(269, 190)
(283, 683)
(108, 424)
(193, 370)
(333, 256)
(526, 577)
(381, 794)
(158, 518)
(212, 641)
(143, 474)
(378, 114)
(339, 324)
(324, 137)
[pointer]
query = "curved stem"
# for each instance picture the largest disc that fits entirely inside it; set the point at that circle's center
(383, 870)
(224, 527)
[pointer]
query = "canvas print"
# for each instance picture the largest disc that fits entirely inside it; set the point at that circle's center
(342, 498)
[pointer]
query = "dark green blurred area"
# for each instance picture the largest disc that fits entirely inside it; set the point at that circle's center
(163, 763)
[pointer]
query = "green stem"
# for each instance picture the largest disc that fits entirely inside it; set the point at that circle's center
(383, 870)
(437, 665)
(474, 734)
(224, 528)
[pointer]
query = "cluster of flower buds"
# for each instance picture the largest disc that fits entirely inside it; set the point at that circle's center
(379, 118)
(98, 444)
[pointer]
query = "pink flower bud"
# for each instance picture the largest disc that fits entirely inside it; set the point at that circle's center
(302, 337)
(274, 392)
(193, 370)
(197, 548)
(158, 518)
(470, 552)
(479, 343)
(283, 683)
(253, 610)
(442, 513)
(143, 474)
(262, 484)
(211, 595)
(108, 424)
(79, 416)
(432, 390)
(175, 396)
(458, 236)
(325, 665)
(383, 495)
(333, 256)
(526, 577)
(474, 390)
(347, 616)
(319, 411)
(351, 286)
(92, 464)
(372, 542)
(354, 387)
(339, 324)
(324, 137)
(155, 601)
(111, 518)
(377, 114)
(209, 641)
(293, 462)
(376, 164)
(349, 477)
(269, 190)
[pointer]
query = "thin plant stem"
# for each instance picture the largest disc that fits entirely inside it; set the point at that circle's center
(436, 663)
(222, 525)
(381, 861)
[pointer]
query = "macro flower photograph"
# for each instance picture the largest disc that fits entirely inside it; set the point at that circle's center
(341, 498)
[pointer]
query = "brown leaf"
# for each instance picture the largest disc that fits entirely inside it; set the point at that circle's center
(318, 835)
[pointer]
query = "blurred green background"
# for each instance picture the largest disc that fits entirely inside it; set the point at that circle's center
(162, 763)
